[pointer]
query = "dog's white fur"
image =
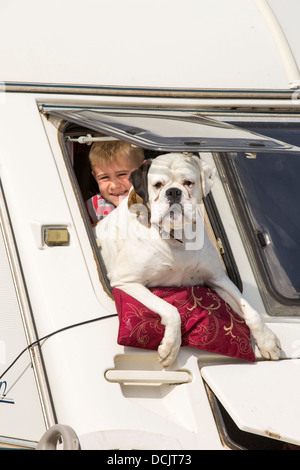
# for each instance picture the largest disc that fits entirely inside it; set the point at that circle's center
(145, 245)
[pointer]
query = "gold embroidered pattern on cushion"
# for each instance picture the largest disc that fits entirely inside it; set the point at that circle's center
(211, 302)
(140, 328)
(203, 333)
(207, 322)
(236, 322)
(198, 301)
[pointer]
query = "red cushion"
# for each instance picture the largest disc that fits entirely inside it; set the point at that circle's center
(207, 322)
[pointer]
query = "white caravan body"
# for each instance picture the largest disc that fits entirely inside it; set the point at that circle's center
(64, 68)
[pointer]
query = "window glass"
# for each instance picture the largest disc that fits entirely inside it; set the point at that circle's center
(266, 181)
(269, 186)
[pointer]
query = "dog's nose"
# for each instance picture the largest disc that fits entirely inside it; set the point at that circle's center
(173, 195)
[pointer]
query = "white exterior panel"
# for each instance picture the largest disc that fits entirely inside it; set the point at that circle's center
(196, 44)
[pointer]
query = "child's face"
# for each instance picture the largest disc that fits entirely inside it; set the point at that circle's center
(113, 180)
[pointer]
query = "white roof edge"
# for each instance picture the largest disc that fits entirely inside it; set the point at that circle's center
(281, 42)
(219, 45)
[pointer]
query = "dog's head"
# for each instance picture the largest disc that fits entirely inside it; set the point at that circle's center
(171, 186)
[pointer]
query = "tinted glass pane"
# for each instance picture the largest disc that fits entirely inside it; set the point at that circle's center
(271, 186)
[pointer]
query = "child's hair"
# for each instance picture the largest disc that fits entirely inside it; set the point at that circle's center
(107, 151)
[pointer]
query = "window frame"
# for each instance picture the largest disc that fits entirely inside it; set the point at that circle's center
(273, 308)
(275, 303)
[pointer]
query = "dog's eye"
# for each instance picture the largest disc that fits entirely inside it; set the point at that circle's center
(188, 183)
(158, 185)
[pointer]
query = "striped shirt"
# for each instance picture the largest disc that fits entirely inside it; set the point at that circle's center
(98, 207)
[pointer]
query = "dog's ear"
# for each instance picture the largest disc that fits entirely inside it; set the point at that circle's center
(138, 179)
(207, 175)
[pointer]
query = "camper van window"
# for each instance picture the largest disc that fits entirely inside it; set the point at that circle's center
(265, 189)
(76, 152)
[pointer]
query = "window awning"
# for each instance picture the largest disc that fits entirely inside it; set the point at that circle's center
(169, 131)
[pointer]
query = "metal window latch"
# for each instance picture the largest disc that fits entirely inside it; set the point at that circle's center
(220, 246)
(88, 139)
(263, 239)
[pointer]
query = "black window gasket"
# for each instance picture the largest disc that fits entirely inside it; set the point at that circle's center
(220, 234)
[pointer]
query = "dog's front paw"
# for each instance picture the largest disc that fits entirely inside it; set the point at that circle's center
(268, 344)
(169, 348)
(167, 353)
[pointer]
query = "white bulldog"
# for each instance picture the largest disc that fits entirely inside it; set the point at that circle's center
(156, 237)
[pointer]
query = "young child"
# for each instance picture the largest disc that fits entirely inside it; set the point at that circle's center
(111, 163)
